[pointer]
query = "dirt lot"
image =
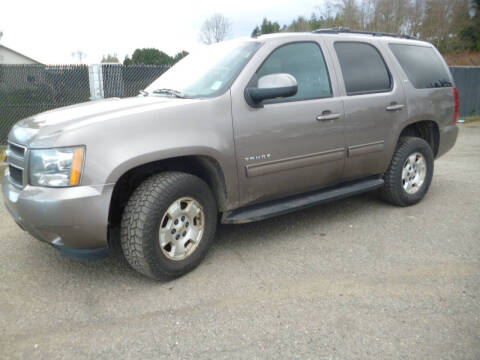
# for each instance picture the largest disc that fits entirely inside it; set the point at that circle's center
(355, 279)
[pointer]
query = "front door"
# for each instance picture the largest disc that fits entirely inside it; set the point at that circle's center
(294, 144)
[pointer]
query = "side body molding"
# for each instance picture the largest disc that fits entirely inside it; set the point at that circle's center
(294, 162)
(362, 149)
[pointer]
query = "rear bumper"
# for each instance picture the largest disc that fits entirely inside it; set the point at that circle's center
(448, 138)
(68, 218)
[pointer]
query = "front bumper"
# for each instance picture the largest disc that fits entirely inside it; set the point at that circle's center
(69, 218)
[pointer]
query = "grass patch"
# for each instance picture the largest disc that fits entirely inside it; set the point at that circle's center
(470, 119)
(465, 58)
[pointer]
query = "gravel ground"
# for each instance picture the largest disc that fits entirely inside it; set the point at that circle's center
(355, 279)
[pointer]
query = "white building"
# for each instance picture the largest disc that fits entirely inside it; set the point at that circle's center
(9, 56)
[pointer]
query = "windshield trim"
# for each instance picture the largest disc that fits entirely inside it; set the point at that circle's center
(228, 85)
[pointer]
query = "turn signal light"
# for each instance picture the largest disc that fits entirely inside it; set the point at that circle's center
(77, 166)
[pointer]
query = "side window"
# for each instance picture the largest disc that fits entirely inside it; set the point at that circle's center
(304, 61)
(363, 68)
(422, 65)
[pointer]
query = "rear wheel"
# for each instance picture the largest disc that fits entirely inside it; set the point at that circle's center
(408, 178)
(168, 224)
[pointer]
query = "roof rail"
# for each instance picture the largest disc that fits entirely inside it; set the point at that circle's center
(338, 30)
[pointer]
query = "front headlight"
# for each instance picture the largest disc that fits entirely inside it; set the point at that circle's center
(58, 167)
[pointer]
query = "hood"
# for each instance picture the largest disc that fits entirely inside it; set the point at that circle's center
(54, 122)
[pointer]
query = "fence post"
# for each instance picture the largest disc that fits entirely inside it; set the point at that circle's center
(95, 79)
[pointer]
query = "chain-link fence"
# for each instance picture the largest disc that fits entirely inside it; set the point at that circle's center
(29, 89)
(123, 81)
(26, 90)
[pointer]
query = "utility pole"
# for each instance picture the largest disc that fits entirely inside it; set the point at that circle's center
(80, 55)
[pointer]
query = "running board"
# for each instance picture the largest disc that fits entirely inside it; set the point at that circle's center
(293, 203)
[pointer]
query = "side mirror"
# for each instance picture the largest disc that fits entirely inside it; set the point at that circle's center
(271, 87)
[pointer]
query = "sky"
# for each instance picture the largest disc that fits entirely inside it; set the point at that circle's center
(50, 31)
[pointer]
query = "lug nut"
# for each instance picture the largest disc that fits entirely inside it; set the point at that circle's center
(186, 225)
(184, 233)
(176, 222)
(183, 218)
(177, 237)
(174, 231)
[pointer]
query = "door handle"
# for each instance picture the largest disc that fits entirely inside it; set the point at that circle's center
(327, 116)
(395, 107)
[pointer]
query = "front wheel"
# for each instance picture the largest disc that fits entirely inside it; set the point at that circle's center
(410, 173)
(168, 225)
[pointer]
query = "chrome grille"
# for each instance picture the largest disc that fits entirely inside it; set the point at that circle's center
(16, 175)
(16, 163)
(16, 150)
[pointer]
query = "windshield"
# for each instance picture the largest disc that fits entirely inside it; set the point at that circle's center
(206, 72)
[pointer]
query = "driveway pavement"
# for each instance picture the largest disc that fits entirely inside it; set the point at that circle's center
(355, 279)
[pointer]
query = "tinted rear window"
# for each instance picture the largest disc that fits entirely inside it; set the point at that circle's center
(363, 68)
(422, 65)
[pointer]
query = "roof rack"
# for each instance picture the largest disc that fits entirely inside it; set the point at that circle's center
(338, 30)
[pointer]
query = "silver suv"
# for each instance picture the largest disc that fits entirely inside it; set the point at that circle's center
(240, 131)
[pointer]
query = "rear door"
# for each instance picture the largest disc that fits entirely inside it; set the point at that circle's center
(374, 103)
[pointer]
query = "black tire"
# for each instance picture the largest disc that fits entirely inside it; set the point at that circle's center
(115, 249)
(142, 217)
(393, 191)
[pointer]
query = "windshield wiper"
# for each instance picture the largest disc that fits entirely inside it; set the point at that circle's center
(143, 92)
(171, 92)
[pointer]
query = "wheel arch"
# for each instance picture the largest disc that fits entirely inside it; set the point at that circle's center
(427, 130)
(205, 167)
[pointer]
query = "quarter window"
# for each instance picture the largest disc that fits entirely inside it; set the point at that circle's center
(423, 66)
(363, 68)
(305, 62)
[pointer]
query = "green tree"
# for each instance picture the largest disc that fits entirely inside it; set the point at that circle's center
(451, 25)
(349, 13)
(315, 21)
(470, 33)
(179, 56)
(256, 32)
(476, 23)
(448, 25)
(109, 58)
(301, 24)
(461, 21)
(149, 56)
(269, 27)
